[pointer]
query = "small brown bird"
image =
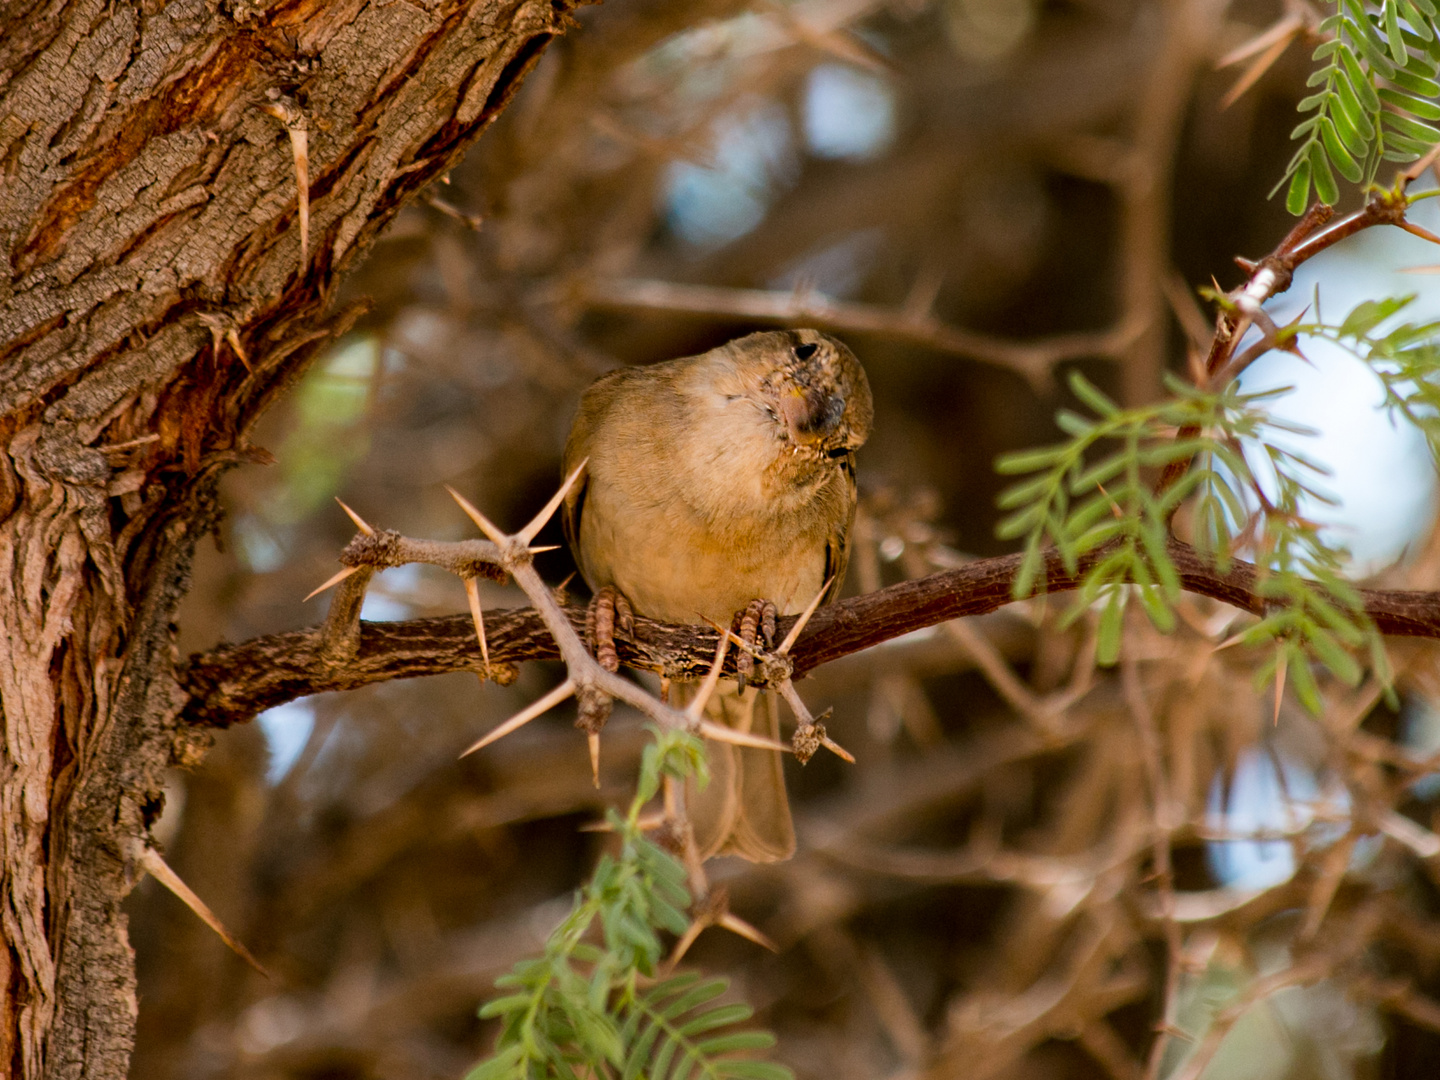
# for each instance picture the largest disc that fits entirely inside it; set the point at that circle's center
(715, 481)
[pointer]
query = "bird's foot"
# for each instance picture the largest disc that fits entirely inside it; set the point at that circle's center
(754, 620)
(608, 610)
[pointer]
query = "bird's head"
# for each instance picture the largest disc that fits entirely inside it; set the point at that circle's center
(811, 390)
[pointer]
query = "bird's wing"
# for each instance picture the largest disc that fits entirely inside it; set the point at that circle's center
(837, 544)
(594, 405)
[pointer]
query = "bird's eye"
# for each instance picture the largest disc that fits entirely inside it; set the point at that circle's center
(804, 352)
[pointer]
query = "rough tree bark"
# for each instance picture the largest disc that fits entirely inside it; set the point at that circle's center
(153, 300)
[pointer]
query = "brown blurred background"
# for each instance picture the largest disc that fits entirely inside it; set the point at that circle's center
(937, 180)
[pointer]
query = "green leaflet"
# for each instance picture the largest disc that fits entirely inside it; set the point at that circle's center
(582, 1010)
(1377, 88)
(1096, 496)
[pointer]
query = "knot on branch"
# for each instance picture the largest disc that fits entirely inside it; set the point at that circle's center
(1283, 267)
(807, 739)
(379, 550)
(772, 669)
(480, 568)
(595, 706)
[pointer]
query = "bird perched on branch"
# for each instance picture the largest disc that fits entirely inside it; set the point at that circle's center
(717, 484)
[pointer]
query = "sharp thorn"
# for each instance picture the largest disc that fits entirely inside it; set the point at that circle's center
(1279, 686)
(300, 150)
(739, 926)
(734, 638)
(538, 521)
(472, 593)
(712, 679)
(686, 940)
(233, 337)
(341, 576)
(496, 537)
(794, 633)
(836, 749)
(646, 823)
(720, 733)
(360, 523)
(160, 870)
(520, 719)
(1420, 231)
(540, 550)
(593, 738)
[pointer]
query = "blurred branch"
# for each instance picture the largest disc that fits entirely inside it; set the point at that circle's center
(1241, 308)
(1189, 28)
(232, 683)
(1032, 359)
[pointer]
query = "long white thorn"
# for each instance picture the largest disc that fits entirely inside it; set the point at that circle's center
(488, 527)
(160, 870)
(836, 749)
(341, 576)
(734, 638)
(593, 738)
(360, 523)
(712, 679)
(686, 940)
(804, 618)
(520, 719)
(720, 733)
(538, 521)
(646, 822)
(737, 925)
(472, 593)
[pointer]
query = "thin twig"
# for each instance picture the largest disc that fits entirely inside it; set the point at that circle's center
(1033, 359)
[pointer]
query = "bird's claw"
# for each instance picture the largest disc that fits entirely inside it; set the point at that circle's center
(608, 610)
(755, 619)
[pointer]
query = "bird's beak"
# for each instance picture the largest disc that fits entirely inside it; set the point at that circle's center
(810, 415)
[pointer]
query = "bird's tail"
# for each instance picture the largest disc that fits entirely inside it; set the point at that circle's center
(743, 810)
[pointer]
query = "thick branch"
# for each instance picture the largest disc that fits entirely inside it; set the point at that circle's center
(232, 683)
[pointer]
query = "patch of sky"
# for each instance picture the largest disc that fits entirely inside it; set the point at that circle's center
(753, 161)
(1380, 470)
(287, 729)
(1266, 800)
(838, 269)
(1420, 732)
(849, 113)
(261, 545)
(383, 600)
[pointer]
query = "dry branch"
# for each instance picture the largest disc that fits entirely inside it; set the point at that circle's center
(1032, 359)
(231, 683)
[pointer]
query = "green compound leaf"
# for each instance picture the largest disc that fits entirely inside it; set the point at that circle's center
(578, 1011)
(1096, 496)
(1376, 88)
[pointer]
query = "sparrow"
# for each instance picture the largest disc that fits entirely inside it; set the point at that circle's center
(717, 484)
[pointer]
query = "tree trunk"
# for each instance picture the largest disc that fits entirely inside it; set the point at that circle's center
(154, 297)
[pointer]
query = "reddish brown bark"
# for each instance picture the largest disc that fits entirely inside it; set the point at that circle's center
(148, 226)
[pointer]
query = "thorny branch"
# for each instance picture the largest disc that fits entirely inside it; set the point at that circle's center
(231, 683)
(1242, 307)
(594, 687)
